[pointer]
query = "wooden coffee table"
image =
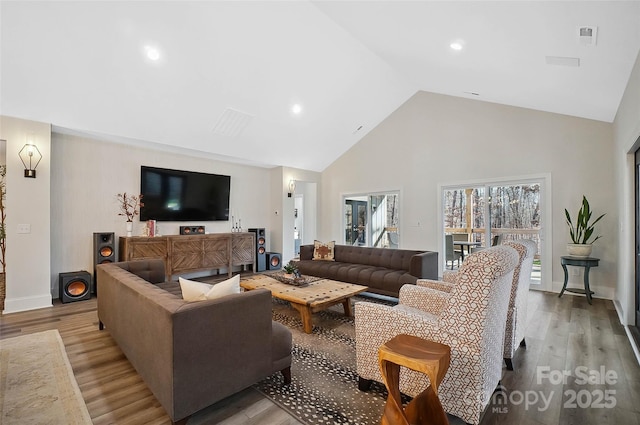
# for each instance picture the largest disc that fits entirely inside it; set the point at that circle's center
(316, 296)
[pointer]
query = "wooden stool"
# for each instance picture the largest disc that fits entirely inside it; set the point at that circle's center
(428, 357)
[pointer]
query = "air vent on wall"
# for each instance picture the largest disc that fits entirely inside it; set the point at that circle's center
(232, 122)
(587, 35)
(562, 61)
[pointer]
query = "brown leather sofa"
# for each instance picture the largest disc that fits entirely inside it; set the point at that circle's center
(190, 354)
(383, 270)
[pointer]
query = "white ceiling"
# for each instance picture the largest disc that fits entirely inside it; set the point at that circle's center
(81, 66)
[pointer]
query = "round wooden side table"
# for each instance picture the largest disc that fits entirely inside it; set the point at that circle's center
(428, 357)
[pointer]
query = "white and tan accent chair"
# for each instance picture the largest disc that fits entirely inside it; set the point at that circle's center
(469, 318)
(517, 314)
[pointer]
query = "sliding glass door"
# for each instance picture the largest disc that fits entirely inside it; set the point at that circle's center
(483, 215)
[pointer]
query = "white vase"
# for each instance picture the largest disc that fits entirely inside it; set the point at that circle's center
(129, 228)
(579, 249)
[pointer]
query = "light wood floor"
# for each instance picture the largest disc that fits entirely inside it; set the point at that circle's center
(563, 334)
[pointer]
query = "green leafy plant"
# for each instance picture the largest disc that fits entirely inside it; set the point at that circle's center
(290, 268)
(583, 229)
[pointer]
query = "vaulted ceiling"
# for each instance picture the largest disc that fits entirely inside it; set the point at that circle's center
(297, 83)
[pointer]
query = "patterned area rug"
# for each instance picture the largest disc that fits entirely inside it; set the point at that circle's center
(37, 385)
(324, 388)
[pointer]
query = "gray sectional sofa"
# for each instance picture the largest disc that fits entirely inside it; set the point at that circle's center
(190, 354)
(383, 270)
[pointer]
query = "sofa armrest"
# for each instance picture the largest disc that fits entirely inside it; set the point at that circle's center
(151, 270)
(306, 252)
(424, 265)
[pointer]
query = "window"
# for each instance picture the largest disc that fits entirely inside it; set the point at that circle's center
(372, 220)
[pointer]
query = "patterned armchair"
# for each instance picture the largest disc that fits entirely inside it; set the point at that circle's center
(469, 318)
(517, 312)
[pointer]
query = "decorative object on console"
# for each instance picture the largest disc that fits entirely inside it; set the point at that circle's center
(323, 251)
(30, 154)
(151, 228)
(130, 208)
(582, 232)
(261, 249)
(74, 286)
(199, 291)
(192, 230)
(274, 260)
(236, 225)
(104, 251)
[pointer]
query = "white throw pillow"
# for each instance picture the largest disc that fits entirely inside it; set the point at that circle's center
(198, 291)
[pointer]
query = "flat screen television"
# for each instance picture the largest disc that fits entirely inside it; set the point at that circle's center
(174, 195)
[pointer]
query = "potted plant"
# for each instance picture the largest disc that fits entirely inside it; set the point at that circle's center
(129, 207)
(582, 231)
(291, 270)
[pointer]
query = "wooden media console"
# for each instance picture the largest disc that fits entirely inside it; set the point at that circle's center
(192, 253)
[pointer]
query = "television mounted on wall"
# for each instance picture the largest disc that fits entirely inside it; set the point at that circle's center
(175, 195)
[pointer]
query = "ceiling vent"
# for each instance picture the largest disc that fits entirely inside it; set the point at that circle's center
(587, 35)
(232, 122)
(562, 61)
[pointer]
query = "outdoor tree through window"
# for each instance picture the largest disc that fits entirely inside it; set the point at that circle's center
(509, 212)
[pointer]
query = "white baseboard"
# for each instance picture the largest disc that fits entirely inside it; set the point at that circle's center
(632, 341)
(14, 305)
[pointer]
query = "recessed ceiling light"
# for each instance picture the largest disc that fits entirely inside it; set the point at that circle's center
(296, 109)
(152, 53)
(456, 45)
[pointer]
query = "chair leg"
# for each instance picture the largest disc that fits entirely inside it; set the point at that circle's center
(364, 384)
(509, 363)
(523, 343)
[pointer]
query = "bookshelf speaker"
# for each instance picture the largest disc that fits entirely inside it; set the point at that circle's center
(261, 249)
(104, 251)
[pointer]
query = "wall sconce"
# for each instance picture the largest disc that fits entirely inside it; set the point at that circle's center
(292, 188)
(29, 154)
